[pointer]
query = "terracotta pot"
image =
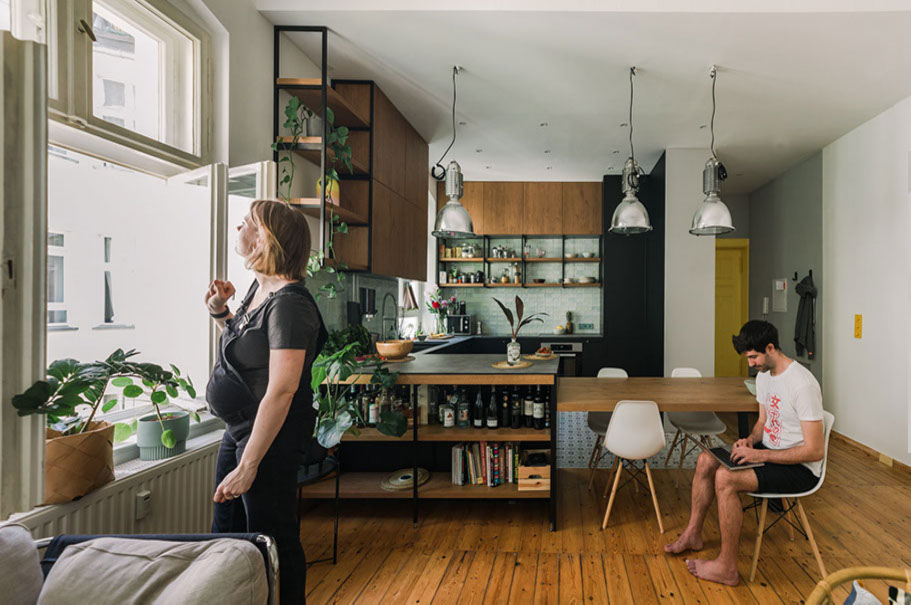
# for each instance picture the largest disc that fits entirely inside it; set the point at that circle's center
(78, 464)
(394, 349)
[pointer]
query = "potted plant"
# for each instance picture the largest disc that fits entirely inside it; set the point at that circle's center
(513, 350)
(420, 334)
(79, 454)
(337, 409)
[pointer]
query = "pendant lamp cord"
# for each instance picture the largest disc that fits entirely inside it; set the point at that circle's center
(632, 72)
(714, 79)
(439, 165)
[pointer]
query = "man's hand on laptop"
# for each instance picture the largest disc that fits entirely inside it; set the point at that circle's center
(743, 452)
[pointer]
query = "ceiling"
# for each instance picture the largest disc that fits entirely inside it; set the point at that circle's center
(789, 82)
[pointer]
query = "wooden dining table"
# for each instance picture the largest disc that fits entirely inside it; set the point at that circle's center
(589, 394)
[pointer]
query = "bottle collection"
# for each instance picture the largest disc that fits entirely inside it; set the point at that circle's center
(507, 407)
(373, 401)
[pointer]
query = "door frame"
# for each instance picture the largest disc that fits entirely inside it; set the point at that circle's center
(736, 243)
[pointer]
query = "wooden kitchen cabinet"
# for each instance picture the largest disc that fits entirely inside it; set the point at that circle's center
(472, 199)
(582, 207)
(399, 238)
(504, 207)
(389, 142)
(417, 171)
(543, 212)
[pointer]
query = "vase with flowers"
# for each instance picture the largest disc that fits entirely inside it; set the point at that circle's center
(439, 307)
(513, 350)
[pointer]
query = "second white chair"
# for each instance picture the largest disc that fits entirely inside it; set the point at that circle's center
(635, 432)
(598, 421)
(692, 425)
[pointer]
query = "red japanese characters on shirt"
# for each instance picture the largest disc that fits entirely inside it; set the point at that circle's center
(773, 420)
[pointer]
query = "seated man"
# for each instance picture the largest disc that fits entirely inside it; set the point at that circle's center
(788, 439)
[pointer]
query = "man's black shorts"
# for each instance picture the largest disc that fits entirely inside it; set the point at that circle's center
(784, 478)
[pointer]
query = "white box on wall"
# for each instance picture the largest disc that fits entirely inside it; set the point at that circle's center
(780, 295)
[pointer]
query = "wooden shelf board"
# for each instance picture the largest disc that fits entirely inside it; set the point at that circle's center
(440, 486)
(371, 434)
(503, 260)
(354, 485)
(594, 285)
(310, 148)
(509, 285)
(435, 432)
(461, 285)
(311, 96)
(533, 285)
(310, 206)
(583, 260)
(351, 266)
(543, 260)
(462, 260)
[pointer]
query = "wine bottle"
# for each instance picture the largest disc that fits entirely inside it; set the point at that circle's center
(539, 410)
(529, 411)
(464, 411)
(480, 414)
(505, 411)
(546, 398)
(516, 408)
(492, 409)
(373, 412)
(433, 406)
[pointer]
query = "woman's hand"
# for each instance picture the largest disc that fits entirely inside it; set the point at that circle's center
(218, 294)
(236, 484)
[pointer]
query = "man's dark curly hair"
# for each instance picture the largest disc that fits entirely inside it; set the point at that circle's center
(755, 335)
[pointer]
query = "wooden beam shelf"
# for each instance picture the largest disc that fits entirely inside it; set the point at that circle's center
(310, 148)
(583, 260)
(311, 206)
(594, 285)
(534, 285)
(309, 91)
(435, 432)
(461, 285)
(543, 260)
(462, 260)
(440, 486)
(369, 485)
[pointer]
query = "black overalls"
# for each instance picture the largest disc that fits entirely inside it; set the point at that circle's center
(270, 506)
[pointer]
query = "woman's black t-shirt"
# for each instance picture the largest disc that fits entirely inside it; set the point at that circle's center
(286, 320)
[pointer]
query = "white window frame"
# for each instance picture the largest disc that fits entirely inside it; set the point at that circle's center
(107, 266)
(71, 112)
(59, 251)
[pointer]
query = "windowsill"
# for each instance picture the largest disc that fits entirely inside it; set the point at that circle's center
(131, 466)
(61, 328)
(202, 433)
(114, 327)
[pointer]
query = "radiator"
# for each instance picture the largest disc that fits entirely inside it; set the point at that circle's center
(180, 501)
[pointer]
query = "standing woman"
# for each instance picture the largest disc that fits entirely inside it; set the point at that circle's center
(260, 386)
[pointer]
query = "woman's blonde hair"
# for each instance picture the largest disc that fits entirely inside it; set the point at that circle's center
(285, 249)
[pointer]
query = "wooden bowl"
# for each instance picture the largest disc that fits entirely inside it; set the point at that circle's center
(394, 349)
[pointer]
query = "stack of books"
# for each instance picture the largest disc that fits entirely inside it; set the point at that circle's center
(482, 463)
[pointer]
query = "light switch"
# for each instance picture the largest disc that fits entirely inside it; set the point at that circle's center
(858, 326)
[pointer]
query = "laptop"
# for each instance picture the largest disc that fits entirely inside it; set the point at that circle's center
(722, 453)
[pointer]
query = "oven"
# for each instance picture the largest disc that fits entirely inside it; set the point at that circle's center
(570, 354)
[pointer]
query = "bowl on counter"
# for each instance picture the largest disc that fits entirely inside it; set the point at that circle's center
(538, 280)
(421, 337)
(394, 349)
(751, 385)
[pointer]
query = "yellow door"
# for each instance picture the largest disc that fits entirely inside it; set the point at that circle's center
(732, 281)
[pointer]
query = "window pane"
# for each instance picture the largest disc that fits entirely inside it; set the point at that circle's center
(161, 266)
(55, 239)
(107, 249)
(4, 15)
(241, 194)
(126, 74)
(54, 279)
(56, 317)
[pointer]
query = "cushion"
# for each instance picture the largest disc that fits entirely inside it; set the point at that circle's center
(20, 570)
(226, 571)
(861, 596)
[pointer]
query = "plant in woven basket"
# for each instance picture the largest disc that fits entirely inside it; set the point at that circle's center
(74, 392)
(337, 408)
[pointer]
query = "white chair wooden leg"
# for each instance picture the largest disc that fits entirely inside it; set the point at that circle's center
(613, 493)
(686, 438)
(591, 480)
(651, 487)
(806, 528)
(670, 450)
(595, 450)
(614, 471)
(787, 519)
(762, 513)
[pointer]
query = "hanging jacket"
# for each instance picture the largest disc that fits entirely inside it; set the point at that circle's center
(805, 328)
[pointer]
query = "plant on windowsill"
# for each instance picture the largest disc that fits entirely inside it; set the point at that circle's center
(513, 351)
(337, 150)
(79, 450)
(337, 408)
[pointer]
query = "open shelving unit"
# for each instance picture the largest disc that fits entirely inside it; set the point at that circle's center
(443, 264)
(358, 484)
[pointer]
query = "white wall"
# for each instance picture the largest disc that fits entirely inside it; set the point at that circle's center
(866, 270)
(689, 268)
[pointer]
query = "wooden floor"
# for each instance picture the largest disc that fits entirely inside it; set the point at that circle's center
(500, 551)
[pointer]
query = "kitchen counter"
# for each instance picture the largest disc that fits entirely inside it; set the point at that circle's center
(440, 368)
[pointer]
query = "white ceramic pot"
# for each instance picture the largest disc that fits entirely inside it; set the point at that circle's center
(513, 352)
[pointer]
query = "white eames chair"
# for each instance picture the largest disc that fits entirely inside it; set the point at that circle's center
(635, 432)
(827, 421)
(598, 421)
(691, 425)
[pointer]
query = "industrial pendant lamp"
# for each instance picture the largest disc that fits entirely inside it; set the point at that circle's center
(712, 217)
(630, 216)
(453, 221)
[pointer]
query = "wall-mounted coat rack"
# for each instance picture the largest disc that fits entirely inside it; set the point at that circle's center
(795, 278)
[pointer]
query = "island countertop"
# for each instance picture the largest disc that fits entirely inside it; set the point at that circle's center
(441, 368)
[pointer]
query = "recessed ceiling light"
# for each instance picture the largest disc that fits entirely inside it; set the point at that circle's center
(462, 123)
(616, 151)
(610, 167)
(547, 151)
(623, 125)
(478, 150)
(550, 167)
(703, 126)
(543, 124)
(487, 167)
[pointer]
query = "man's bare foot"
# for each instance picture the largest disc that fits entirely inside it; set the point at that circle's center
(685, 542)
(713, 571)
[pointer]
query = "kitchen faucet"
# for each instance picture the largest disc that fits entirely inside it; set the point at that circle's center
(395, 318)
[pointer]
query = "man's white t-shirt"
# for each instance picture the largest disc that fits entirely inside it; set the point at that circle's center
(789, 398)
